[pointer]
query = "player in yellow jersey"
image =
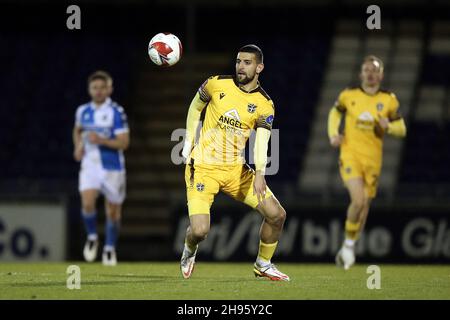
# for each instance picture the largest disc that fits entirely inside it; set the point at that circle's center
(369, 114)
(234, 106)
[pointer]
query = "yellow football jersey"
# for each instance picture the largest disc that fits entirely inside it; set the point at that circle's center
(362, 133)
(231, 114)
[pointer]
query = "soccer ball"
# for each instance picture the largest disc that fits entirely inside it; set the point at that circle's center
(165, 49)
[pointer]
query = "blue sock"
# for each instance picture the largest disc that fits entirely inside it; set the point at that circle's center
(90, 223)
(112, 232)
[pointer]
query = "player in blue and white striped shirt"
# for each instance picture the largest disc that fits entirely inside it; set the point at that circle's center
(100, 136)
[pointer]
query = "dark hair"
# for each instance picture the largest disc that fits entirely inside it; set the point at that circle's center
(100, 75)
(251, 48)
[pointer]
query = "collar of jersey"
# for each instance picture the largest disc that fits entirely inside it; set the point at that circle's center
(370, 95)
(103, 105)
(252, 91)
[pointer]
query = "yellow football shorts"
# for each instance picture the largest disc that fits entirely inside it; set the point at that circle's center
(204, 181)
(352, 166)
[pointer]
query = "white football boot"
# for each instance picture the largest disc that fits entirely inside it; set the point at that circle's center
(345, 257)
(187, 263)
(90, 250)
(269, 271)
(109, 258)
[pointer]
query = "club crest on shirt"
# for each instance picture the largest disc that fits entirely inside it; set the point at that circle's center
(200, 187)
(251, 108)
(380, 106)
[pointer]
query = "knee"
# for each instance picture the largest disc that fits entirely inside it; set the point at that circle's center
(88, 207)
(279, 217)
(113, 214)
(200, 231)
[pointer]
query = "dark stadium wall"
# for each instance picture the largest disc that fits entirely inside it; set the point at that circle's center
(312, 234)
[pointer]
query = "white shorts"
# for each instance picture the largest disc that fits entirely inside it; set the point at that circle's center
(112, 184)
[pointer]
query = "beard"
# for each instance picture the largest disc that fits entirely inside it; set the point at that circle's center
(244, 80)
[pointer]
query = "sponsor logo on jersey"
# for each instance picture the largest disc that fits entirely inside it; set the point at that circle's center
(365, 121)
(232, 114)
(230, 121)
(231, 118)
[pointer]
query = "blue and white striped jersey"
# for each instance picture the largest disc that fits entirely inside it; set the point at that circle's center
(107, 120)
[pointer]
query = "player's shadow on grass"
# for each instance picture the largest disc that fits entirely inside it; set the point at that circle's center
(42, 284)
(153, 278)
(177, 277)
(140, 276)
(228, 280)
(60, 283)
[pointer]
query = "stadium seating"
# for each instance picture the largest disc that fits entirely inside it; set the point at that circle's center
(40, 96)
(425, 170)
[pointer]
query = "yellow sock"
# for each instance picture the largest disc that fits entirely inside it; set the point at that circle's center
(351, 230)
(266, 251)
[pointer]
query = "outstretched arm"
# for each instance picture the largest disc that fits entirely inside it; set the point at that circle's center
(77, 143)
(260, 156)
(260, 149)
(397, 127)
(394, 123)
(334, 121)
(192, 121)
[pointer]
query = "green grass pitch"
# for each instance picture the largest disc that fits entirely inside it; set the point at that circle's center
(221, 281)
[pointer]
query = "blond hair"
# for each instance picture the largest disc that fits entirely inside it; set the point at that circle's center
(375, 60)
